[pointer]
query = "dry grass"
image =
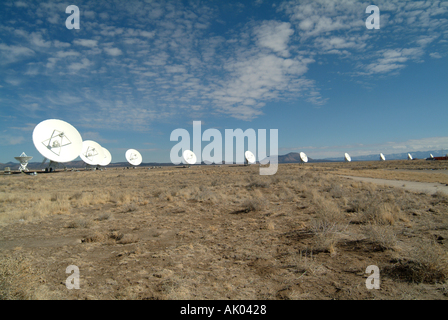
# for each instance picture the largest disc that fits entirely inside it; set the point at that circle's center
(384, 237)
(222, 233)
(19, 281)
(427, 262)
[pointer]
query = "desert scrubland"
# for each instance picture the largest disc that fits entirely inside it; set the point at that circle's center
(225, 232)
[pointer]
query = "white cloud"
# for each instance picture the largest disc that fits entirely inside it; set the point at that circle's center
(64, 54)
(275, 36)
(113, 51)
(11, 140)
(21, 4)
(37, 40)
(85, 64)
(59, 44)
(147, 34)
(86, 43)
(13, 53)
(435, 55)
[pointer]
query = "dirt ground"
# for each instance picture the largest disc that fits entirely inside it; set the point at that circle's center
(225, 232)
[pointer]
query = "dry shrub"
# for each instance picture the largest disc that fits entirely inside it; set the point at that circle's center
(305, 263)
(327, 224)
(285, 194)
(427, 262)
(383, 236)
(97, 237)
(130, 207)
(128, 238)
(80, 223)
(206, 195)
(255, 204)
(76, 196)
(111, 237)
(336, 191)
(120, 197)
(258, 183)
(18, 281)
(439, 197)
(382, 213)
(104, 216)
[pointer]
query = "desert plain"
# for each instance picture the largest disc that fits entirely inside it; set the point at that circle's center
(211, 232)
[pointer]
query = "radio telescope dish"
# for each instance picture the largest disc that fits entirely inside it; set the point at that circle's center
(134, 157)
(23, 159)
(92, 153)
(303, 157)
(249, 157)
(409, 156)
(431, 156)
(107, 158)
(57, 140)
(347, 157)
(382, 157)
(189, 157)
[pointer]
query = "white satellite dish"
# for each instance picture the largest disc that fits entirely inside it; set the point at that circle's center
(409, 156)
(189, 157)
(57, 140)
(23, 159)
(249, 157)
(431, 156)
(347, 157)
(92, 153)
(134, 157)
(303, 157)
(382, 157)
(107, 158)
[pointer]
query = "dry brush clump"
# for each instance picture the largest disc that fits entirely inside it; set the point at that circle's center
(327, 224)
(384, 237)
(255, 204)
(111, 237)
(426, 262)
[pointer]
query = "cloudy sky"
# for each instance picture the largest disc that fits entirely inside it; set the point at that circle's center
(138, 69)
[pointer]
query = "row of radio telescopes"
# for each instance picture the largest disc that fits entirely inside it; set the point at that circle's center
(60, 142)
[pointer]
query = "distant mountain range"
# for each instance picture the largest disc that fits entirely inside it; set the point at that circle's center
(396, 156)
(292, 157)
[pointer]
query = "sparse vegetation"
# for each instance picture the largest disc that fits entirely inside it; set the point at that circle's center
(222, 233)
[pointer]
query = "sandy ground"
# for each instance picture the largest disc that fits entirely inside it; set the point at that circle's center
(430, 188)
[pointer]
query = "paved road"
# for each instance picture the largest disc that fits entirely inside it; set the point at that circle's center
(409, 185)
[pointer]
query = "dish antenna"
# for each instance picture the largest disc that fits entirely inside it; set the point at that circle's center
(23, 159)
(409, 156)
(431, 156)
(134, 157)
(250, 157)
(92, 153)
(303, 157)
(107, 158)
(382, 157)
(347, 157)
(189, 157)
(57, 141)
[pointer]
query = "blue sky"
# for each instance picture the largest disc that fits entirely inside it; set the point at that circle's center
(137, 70)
